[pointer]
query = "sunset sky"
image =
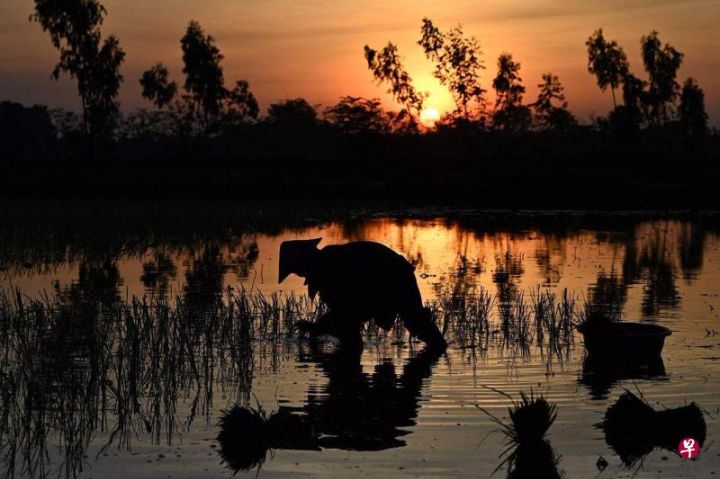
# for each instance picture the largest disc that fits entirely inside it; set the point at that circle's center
(313, 49)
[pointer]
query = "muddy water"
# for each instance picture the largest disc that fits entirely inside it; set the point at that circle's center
(669, 272)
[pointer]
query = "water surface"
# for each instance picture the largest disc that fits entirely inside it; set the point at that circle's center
(666, 269)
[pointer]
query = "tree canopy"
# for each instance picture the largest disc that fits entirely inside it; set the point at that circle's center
(458, 65)
(662, 64)
(355, 115)
(551, 106)
(510, 114)
(74, 28)
(607, 61)
(207, 104)
(387, 67)
(692, 108)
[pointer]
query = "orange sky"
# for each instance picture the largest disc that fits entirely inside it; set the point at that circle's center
(313, 49)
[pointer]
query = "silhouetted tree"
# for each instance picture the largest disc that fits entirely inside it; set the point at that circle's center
(240, 104)
(510, 113)
(157, 87)
(203, 74)
(206, 105)
(692, 108)
(176, 115)
(295, 112)
(634, 91)
(607, 61)
(626, 119)
(387, 67)
(74, 28)
(508, 84)
(661, 63)
(354, 115)
(457, 65)
(548, 114)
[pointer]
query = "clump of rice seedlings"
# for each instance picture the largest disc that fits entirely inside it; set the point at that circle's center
(248, 434)
(523, 332)
(457, 302)
(479, 310)
(268, 315)
(553, 316)
(477, 319)
(290, 311)
(467, 317)
(527, 453)
(633, 428)
(542, 307)
(515, 321)
(244, 437)
(566, 313)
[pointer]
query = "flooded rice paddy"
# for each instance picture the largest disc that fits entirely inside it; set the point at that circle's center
(123, 353)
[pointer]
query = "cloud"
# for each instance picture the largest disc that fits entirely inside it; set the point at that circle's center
(522, 11)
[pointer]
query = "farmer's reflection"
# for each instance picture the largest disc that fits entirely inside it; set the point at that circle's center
(356, 411)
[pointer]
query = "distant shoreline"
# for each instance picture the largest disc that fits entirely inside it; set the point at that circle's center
(262, 213)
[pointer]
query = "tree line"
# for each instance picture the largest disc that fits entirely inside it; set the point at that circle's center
(458, 66)
(205, 105)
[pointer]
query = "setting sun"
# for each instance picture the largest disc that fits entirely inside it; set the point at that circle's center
(429, 116)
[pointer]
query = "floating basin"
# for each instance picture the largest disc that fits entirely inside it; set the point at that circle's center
(625, 340)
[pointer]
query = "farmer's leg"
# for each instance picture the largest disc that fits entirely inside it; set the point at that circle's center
(419, 323)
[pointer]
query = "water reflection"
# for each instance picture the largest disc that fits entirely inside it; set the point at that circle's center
(634, 429)
(649, 260)
(648, 255)
(158, 273)
(204, 279)
(87, 366)
(353, 411)
(600, 376)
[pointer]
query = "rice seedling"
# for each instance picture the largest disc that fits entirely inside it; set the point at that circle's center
(553, 316)
(479, 310)
(566, 314)
(541, 309)
(633, 428)
(515, 324)
(527, 453)
(248, 434)
(467, 316)
(244, 437)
